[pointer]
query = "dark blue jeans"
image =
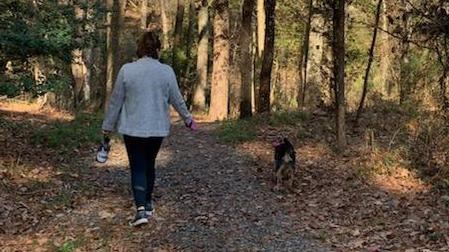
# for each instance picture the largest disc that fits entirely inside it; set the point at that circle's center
(142, 154)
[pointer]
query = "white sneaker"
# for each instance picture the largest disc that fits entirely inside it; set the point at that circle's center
(103, 150)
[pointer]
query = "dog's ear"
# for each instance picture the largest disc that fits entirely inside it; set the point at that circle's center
(286, 141)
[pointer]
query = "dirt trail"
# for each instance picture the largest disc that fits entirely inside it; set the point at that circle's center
(206, 198)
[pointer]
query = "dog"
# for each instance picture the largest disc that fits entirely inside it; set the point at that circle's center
(285, 163)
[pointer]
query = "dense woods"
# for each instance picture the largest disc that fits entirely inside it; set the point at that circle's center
(291, 55)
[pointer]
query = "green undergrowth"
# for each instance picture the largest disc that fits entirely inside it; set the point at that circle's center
(243, 130)
(64, 136)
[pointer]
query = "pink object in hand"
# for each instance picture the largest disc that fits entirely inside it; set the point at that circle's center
(193, 125)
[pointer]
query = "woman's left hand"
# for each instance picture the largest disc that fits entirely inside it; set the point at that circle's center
(192, 125)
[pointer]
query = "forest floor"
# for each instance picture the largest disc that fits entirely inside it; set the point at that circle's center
(209, 195)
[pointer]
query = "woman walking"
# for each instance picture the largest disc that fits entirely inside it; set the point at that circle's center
(139, 109)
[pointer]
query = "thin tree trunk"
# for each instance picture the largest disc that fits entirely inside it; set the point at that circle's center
(179, 22)
(254, 86)
(88, 60)
(78, 74)
(143, 13)
(165, 25)
(260, 44)
(443, 81)
(370, 62)
(339, 70)
(246, 66)
(385, 59)
(117, 27)
(404, 85)
(267, 63)
(178, 40)
(109, 53)
(78, 66)
(260, 28)
(304, 60)
(220, 73)
(199, 94)
(189, 36)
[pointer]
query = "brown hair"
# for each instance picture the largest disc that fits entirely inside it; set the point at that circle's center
(148, 45)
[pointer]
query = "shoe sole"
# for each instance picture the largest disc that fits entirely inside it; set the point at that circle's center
(139, 222)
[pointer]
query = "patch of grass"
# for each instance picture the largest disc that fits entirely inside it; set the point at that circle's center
(63, 199)
(236, 131)
(287, 118)
(84, 129)
(70, 246)
(380, 163)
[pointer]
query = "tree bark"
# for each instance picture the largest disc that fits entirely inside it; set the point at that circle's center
(117, 28)
(109, 53)
(385, 53)
(80, 73)
(143, 13)
(267, 63)
(189, 37)
(246, 66)
(339, 70)
(404, 85)
(260, 28)
(220, 73)
(199, 94)
(165, 25)
(370, 62)
(443, 81)
(179, 22)
(304, 60)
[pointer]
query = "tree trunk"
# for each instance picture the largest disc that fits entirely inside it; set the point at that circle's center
(88, 61)
(444, 82)
(317, 68)
(79, 70)
(117, 28)
(385, 53)
(267, 63)
(80, 73)
(339, 70)
(199, 94)
(109, 53)
(220, 73)
(143, 13)
(260, 44)
(254, 86)
(370, 62)
(189, 36)
(260, 28)
(304, 60)
(246, 66)
(178, 23)
(404, 85)
(165, 25)
(177, 48)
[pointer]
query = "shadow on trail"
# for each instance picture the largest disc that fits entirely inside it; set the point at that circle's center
(206, 197)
